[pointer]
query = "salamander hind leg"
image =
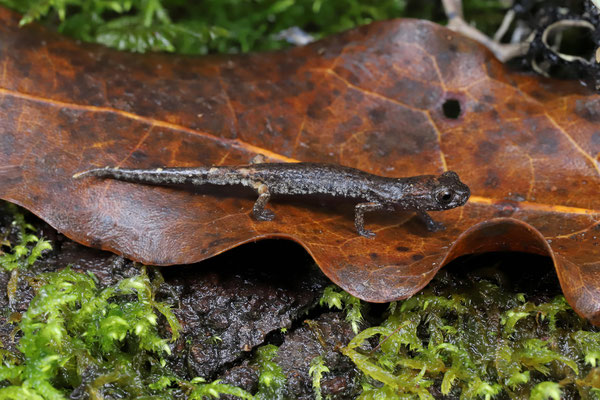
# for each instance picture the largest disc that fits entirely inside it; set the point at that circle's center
(359, 217)
(259, 211)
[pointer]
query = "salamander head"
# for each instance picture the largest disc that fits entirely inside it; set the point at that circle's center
(446, 192)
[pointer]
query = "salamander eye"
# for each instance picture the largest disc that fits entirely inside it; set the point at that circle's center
(444, 196)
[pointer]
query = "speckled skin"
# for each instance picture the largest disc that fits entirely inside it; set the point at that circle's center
(370, 192)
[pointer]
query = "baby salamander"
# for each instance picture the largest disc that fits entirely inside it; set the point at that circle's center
(370, 192)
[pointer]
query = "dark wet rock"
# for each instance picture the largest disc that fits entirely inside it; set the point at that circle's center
(228, 307)
(108, 268)
(244, 376)
(323, 336)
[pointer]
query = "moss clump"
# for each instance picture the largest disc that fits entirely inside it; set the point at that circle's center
(476, 339)
(73, 329)
(316, 371)
(21, 253)
(104, 342)
(272, 380)
(334, 297)
(29, 247)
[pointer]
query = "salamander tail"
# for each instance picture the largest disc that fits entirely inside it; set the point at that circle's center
(157, 176)
(98, 172)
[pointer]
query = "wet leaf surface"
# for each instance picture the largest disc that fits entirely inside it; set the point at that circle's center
(394, 98)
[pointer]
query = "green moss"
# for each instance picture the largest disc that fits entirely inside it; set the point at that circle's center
(71, 327)
(75, 334)
(316, 371)
(334, 297)
(215, 390)
(24, 253)
(225, 26)
(477, 340)
(200, 27)
(29, 248)
(271, 381)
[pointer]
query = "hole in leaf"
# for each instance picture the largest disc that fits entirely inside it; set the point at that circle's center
(451, 108)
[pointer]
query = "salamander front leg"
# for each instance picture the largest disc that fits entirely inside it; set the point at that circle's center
(432, 226)
(259, 211)
(359, 217)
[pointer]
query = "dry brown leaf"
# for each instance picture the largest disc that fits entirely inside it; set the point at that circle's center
(372, 98)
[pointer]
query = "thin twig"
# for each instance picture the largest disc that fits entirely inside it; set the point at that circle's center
(506, 21)
(456, 22)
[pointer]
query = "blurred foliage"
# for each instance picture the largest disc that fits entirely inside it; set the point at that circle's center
(225, 26)
(487, 15)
